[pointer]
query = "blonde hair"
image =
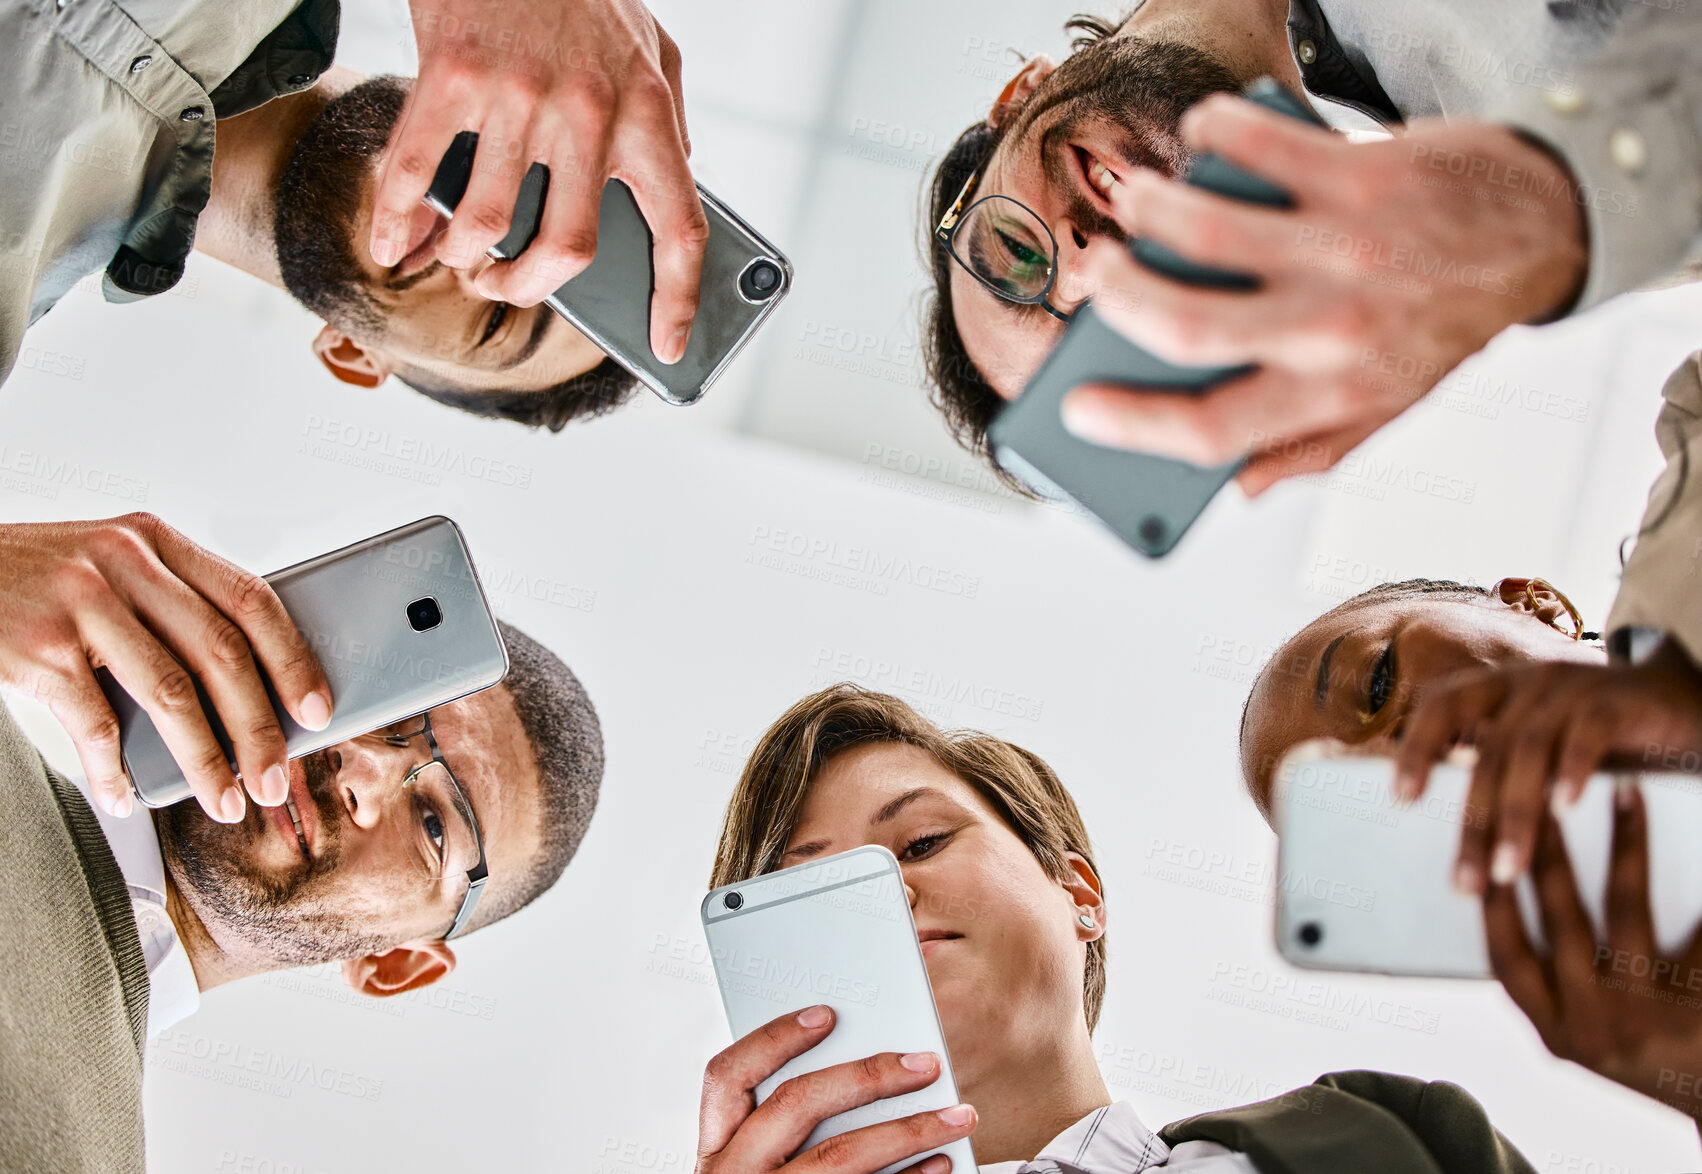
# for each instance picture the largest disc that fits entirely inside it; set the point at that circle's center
(1023, 790)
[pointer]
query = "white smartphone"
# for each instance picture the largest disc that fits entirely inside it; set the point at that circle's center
(400, 625)
(1365, 884)
(835, 931)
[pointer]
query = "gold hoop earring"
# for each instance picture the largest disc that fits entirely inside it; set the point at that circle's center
(1577, 632)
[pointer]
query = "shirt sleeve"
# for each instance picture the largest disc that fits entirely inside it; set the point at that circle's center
(1627, 118)
(1206, 1157)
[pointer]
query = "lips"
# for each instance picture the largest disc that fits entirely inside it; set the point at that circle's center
(300, 814)
(931, 939)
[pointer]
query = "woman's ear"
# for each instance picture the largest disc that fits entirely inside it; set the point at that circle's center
(348, 360)
(1533, 596)
(1082, 884)
(1020, 88)
(406, 968)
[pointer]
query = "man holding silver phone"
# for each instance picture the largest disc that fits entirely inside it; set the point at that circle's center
(373, 852)
(316, 189)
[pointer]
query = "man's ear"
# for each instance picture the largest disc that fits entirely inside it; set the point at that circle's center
(406, 968)
(348, 360)
(1532, 596)
(1020, 88)
(1082, 884)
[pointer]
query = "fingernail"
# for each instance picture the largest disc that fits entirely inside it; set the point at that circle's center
(1561, 800)
(957, 1115)
(814, 1017)
(232, 805)
(485, 286)
(937, 1164)
(316, 711)
(386, 250)
(274, 786)
(1504, 865)
(1623, 790)
(1084, 417)
(677, 345)
(1468, 882)
(1403, 788)
(122, 805)
(918, 1061)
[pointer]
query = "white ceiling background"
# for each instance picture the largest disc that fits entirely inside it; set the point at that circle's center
(573, 1036)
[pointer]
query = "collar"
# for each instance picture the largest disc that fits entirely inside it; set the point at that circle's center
(1331, 71)
(1110, 1140)
(173, 993)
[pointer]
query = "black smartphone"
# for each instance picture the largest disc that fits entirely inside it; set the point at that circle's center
(744, 277)
(1148, 500)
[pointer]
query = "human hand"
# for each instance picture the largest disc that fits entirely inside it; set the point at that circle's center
(1399, 259)
(134, 596)
(591, 89)
(1618, 1008)
(1542, 730)
(736, 1136)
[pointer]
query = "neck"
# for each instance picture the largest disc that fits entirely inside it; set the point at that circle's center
(213, 967)
(236, 226)
(1029, 1100)
(1250, 37)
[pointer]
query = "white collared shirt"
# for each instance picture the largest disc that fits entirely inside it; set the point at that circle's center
(1112, 1140)
(173, 994)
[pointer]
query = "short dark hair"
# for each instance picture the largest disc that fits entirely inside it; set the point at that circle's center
(597, 392)
(956, 387)
(1025, 792)
(561, 726)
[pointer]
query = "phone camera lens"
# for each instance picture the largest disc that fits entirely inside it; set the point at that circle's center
(732, 900)
(1310, 933)
(760, 281)
(424, 614)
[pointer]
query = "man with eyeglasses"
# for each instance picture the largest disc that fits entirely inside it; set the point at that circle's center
(1545, 158)
(379, 852)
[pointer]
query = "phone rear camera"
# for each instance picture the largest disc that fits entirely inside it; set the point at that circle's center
(732, 900)
(424, 614)
(760, 281)
(1310, 933)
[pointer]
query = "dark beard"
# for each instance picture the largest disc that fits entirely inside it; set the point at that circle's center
(318, 201)
(1139, 87)
(291, 921)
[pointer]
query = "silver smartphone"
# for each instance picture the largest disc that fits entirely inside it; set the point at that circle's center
(1364, 884)
(1147, 500)
(400, 625)
(744, 277)
(836, 931)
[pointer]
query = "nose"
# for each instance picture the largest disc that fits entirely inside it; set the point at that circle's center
(368, 782)
(910, 895)
(1070, 283)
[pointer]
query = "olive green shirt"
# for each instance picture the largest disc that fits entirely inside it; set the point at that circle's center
(107, 121)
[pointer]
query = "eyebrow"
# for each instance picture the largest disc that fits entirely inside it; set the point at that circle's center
(540, 324)
(1321, 689)
(886, 813)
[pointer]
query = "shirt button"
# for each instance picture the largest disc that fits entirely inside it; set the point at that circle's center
(301, 79)
(192, 114)
(141, 63)
(1565, 99)
(1307, 52)
(1629, 151)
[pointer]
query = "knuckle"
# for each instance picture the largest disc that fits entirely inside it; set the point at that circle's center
(722, 1067)
(227, 646)
(593, 98)
(871, 1072)
(209, 761)
(101, 732)
(251, 597)
(789, 1097)
(484, 220)
(413, 165)
(838, 1153)
(174, 691)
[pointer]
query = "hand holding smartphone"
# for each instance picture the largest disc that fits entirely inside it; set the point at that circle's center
(837, 932)
(400, 625)
(744, 277)
(1147, 500)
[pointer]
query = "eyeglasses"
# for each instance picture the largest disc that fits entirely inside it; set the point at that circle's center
(434, 782)
(1004, 245)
